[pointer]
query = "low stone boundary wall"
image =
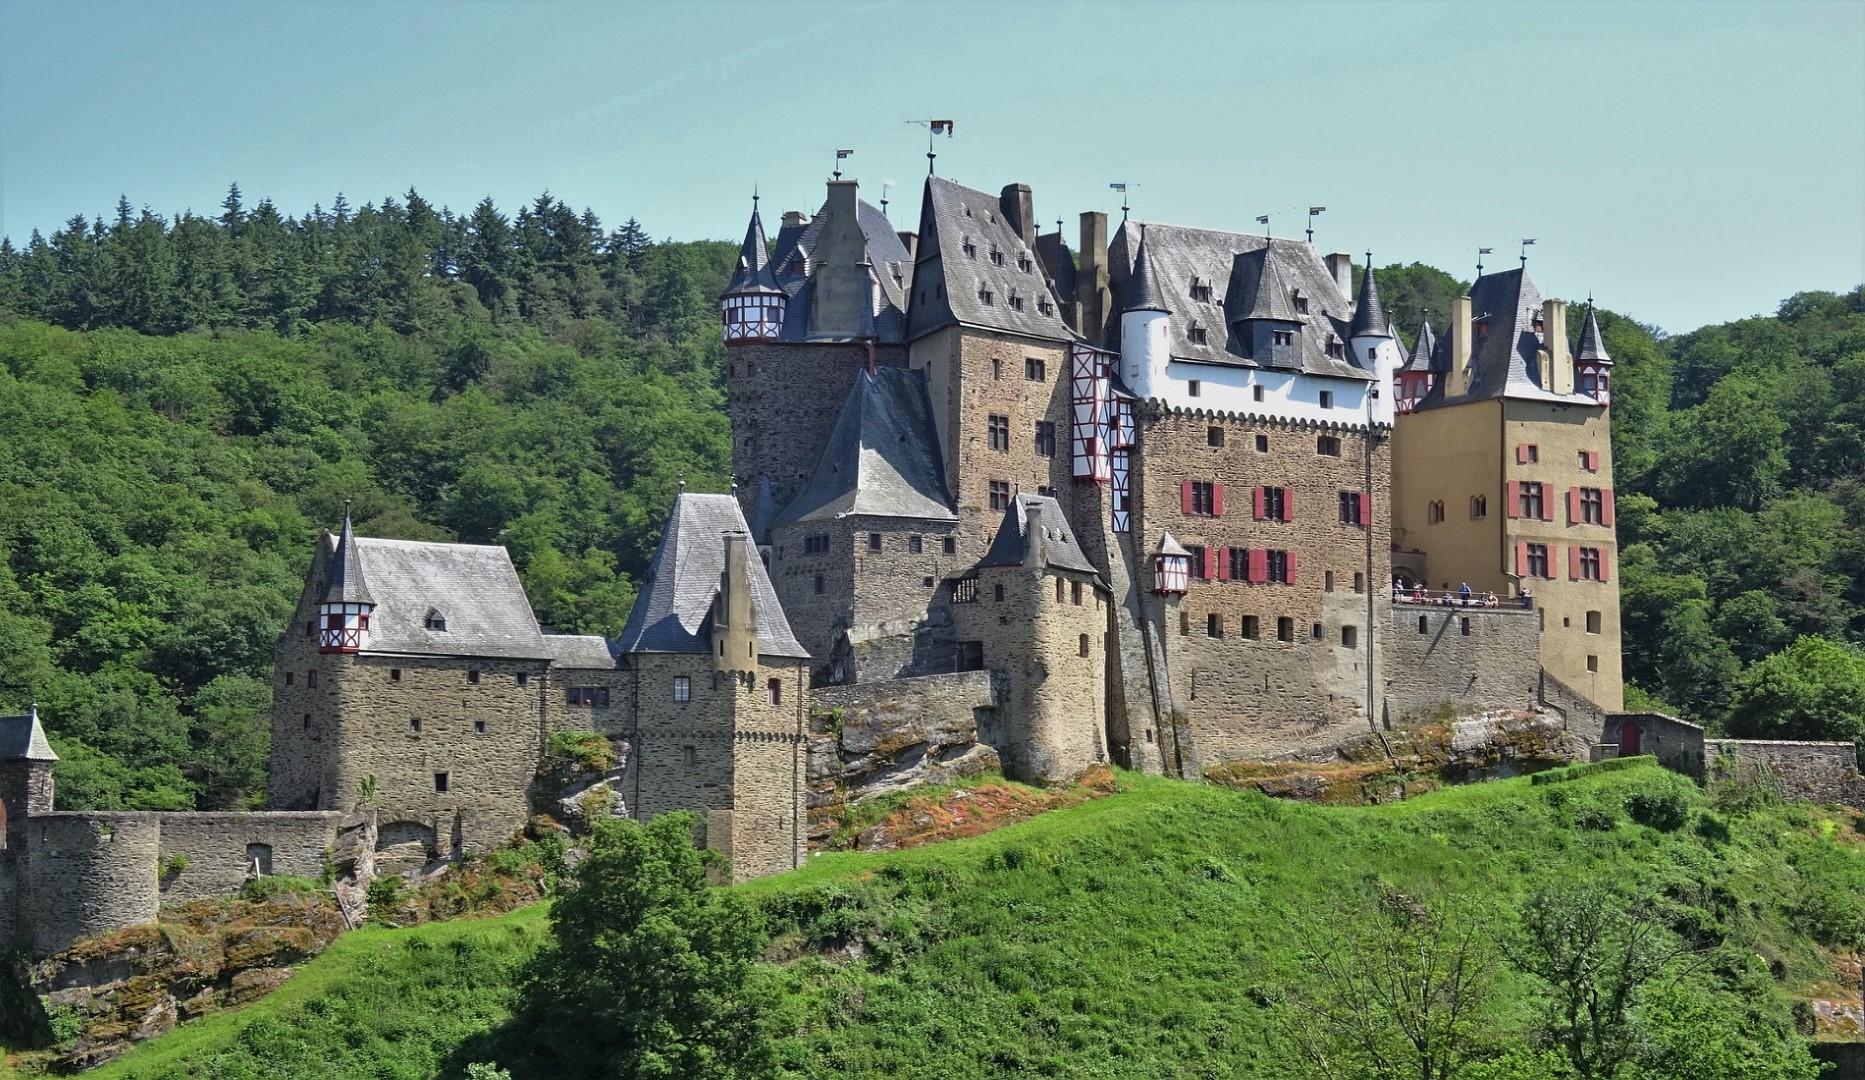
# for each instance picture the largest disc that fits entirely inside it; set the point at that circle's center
(1816, 772)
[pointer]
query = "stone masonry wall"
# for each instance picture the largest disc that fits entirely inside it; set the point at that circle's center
(219, 849)
(1250, 697)
(88, 873)
(681, 757)
(783, 400)
(768, 831)
(818, 615)
(9, 901)
(1816, 772)
(1472, 659)
(1677, 744)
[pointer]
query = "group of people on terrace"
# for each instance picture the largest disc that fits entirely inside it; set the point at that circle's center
(1416, 593)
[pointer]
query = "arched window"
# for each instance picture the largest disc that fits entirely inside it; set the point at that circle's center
(435, 620)
(1479, 507)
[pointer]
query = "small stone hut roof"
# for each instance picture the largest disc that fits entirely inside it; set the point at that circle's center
(22, 739)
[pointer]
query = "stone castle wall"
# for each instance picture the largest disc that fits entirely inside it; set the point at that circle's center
(1470, 658)
(1816, 772)
(769, 760)
(783, 400)
(681, 751)
(87, 874)
(220, 848)
(815, 588)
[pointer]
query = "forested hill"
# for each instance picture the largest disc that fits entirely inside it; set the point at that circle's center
(184, 403)
(209, 391)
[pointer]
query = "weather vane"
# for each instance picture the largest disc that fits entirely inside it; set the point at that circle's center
(839, 155)
(1122, 188)
(1525, 244)
(934, 129)
(1314, 212)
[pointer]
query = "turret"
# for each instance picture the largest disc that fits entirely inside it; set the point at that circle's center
(26, 761)
(1413, 380)
(1591, 364)
(1145, 347)
(1171, 567)
(1368, 330)
(752, 306)
(344, 609)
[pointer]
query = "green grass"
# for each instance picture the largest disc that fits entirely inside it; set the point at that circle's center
(1133, 936)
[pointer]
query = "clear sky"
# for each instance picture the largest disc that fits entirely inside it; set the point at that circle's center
(1687, 163)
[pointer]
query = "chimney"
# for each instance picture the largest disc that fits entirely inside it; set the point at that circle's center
(734, 629)
(1460, 347)
(843, 288)
(1554, 340)
(1091, 295)
(1020, 212)
(1034, 538)
(795, 219)
(1340, 264)
(910, 241)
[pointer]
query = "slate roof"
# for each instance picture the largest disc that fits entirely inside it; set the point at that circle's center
(1424, 348)
(1502, 361)
(1145, 291)
(882, 458)
(947, 283)
(763, 511)
(890, 269)
(343, 579)
(754, 273)
(583, 651)
(1169, 545)
(1369, 317)
(22, 739)
(1592, 346)
(473, 586)
(673, 613)
(1239, 268)
(1059, 547)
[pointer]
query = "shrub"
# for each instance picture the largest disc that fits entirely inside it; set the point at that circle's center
(274, 886)
(174, 865)
(586, 750)
(385, 895)
(1664, 811)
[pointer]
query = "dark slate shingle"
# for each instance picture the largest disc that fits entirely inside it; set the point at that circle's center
(882, 458)
(474, 587)
(949, 285)
(1012, 542)
(673, 613)
(22, 739)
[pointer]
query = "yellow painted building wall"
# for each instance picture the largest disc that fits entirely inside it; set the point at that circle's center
(1451, 456)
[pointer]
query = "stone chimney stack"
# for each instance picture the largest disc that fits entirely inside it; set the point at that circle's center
(1091, 292)
(1460, 347)
(1340, 264)
(1554, 340)
(1034, 539)
(1019, 210)
(841, 307)
(795, 219)
(734, 627)
(910, 241)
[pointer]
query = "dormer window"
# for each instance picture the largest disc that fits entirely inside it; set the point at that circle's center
(435, 620)
(997, 257)
(1282, 337)
(1201, 290)
(1482, 329)
(798, 265)
(985, 296)
(1197, 335)
(1016, 301)
(970, 249)
(1301, 303)
(1023, 263)
(1044, 306)
(1538, 323)
(1336, 350)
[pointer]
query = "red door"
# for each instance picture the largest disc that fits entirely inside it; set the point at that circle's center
(1628, 740)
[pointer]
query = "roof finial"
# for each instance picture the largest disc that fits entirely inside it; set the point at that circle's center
(683, 483)
(1313, 212)
(1122, 188)
(1525, 244)
(1480, 252)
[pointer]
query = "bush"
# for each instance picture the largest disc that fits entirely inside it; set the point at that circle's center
(1664, 811)
(275, 886)
(385, 895)
(586, 750)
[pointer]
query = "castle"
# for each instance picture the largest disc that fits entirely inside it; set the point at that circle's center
(1169, 495)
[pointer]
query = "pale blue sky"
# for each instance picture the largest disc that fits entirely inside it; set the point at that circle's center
(1688, 163)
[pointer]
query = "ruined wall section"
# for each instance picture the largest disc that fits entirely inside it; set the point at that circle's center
(783, 400)
(1469, 659)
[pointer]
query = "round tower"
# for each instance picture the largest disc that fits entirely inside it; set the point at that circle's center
(1592, 366)
(752, 306)
(1145, 346)
(344, 609)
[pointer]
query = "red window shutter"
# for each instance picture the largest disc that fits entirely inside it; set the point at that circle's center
(1521, 453)
(1521, 560)
(1223, 564)
(1573, 564)
(1593, 461)
(1366, 508)
(1288, 504)
(1291, 562)
(1259, 566)
(1185, 497)
(1605, 564)
(1210, 557)
(1547, 502)
(1217, 500)
(1573, 506)
(1515, 498)
(1256, 502)
(1606, 507)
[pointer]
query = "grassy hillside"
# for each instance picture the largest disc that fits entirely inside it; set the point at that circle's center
(1153, 933)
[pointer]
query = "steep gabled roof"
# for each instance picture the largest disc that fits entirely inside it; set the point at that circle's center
(1592, 346)
(754, 274)
(882, 458)
(1169, 545)
(889, 268)
(948, 284)
(1012, 543)
(673, 613)
(22, 739)
(1177, 254)
(473, 587)
(1504, 344)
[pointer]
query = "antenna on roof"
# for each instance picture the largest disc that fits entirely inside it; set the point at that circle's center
(839, 155)
(1480, 252)
(1122, 188)
(1313, 212)
(1525, 244)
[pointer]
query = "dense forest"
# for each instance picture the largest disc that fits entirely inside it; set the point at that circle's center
(186, 402)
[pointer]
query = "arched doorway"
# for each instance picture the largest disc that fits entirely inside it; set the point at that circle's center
(1628, 739)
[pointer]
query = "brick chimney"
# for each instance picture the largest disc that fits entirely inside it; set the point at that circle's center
(1554, 340)
(1091, 293)
(734, 628)
(1019, 210)
(1340, 264)
(843, 288)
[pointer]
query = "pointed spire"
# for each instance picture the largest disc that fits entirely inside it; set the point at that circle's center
(1143, 290)
(1369, 318)
(754, 273)
(1592, 346)
(1427, 343)
(344, 582)
(23, 739)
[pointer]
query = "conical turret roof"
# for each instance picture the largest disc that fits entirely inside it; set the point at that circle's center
(22, 739)
(344, 583)
(1369, 318)
(1146, 295)
(1592, 346)
(754, 273)
(1422, 348)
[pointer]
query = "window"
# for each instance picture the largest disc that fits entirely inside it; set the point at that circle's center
(1035, 370)
(1528, 502)
(1531, 454)
(310, 679)
(479, 727)
(307, 721)
(986, 297)
(915, 545)
(1197, 335)
(1301, 303)
(997, 369)
(1074, 593)
(592, 696)
(1046, 438)
(1239, 560)
(1195, 566)
(1327, 581)
(1537, 560)
(1023, 263)
(1194, 387)
(1084, 644)
(1349, 637)
(874, 541)
(1593, 664)
(1464, 626)
(775, 688)
(1327, 445)
(288, 678)
(1185, 623)
(310, 628)
(1479, 507)
(1278, 568)
(1593, 622)
(1327, 399)
(1359, 582)
(970, 249)
(1214, 436)
(1337, 351)
(1434, 512)
(1203, 498)
(1043, 305)
(1256, 393)
(1353, 508)
(1249, 628)
(1592, 506)
(414, 725)
(435, 620)
(1589, 460)
(442, 782)
(682, 688)
(472, 678)
(1316, 632)
(1058, 590)
(1214, 625)
(1016, 302)
(965, 590)
(1262, 444)
(948, 545)
(816, 545)
(1285, 629)
(1281, 337)
(1424, 622)
(523, 678)
(997, 257)
(689, 757)
(1201, 291)
(1000, 494)
(1273, 504)
(997, 592)
(819, 586)
(1589, 564)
